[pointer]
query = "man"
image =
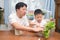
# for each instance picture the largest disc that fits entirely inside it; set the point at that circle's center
(19, 20)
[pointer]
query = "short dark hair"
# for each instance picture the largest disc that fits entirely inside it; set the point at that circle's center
(38, 11)
(19, 5)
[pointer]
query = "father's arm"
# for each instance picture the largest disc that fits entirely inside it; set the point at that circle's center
(21, 27)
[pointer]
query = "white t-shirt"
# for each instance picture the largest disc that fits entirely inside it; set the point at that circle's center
(22, 21)
(42, 23)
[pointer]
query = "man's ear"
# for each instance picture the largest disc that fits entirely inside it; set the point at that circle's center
(17, 9)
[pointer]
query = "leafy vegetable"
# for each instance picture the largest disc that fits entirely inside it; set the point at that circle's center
(50, 25)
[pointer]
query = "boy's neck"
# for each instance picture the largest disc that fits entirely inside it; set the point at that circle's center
(39, 21)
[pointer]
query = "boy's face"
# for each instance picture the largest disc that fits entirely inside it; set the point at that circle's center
(39, 17)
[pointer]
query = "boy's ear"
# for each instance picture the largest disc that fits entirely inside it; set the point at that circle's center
(43, 13)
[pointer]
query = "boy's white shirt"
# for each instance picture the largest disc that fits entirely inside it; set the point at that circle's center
(42, 23)
(22, 21)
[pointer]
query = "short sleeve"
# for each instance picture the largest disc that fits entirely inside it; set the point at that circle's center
(12, 19)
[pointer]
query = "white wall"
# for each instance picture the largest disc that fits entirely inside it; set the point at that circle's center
(2, 3)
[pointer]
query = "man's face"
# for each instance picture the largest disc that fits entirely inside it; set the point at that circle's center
(22, 11)
(39, 17)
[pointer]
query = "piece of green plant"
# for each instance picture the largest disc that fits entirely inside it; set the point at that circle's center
(50, 25)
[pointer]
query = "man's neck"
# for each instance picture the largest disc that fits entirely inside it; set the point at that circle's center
(20, 16)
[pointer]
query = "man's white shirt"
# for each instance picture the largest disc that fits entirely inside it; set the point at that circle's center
(22, 21)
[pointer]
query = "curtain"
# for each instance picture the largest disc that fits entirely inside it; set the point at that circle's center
(50, 5)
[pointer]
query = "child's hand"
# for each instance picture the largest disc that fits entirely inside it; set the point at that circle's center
(32, 24)
(51, 19)
(38, 29)
(37, 25)
(41, 29)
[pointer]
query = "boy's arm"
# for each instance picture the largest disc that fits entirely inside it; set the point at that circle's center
(32, 24)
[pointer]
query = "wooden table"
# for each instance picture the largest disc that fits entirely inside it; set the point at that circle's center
(9, 35)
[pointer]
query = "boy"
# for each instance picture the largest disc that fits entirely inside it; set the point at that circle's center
(39, 18)
(39, 21)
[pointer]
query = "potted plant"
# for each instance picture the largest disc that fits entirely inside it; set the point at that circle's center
(48, 27)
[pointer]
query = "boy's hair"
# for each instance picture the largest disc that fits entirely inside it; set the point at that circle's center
(19, 5)
(38, 11)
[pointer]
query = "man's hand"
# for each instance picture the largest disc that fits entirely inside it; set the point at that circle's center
(38, 29)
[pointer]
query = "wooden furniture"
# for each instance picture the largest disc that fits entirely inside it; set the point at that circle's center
(57, 15)
(9, 35)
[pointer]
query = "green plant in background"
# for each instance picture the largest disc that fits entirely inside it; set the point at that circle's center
(50, 25)
(30, 16)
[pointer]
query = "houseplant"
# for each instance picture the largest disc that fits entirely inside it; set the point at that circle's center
(48, 27)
